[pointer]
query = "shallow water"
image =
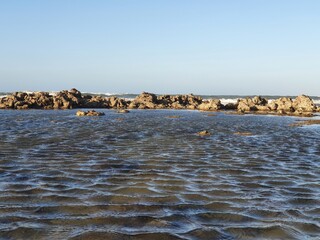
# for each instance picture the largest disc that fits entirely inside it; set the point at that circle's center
(146, 175)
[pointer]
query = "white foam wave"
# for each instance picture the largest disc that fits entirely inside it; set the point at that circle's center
(106, 94)
(225, 101)
(317, 101)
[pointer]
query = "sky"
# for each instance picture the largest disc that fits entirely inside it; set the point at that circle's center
(239, 47)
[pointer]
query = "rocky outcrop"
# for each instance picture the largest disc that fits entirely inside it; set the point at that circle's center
(300, 106)
(67, 99)
(21, 100)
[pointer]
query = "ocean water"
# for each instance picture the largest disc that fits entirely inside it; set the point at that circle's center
(148, 175)
(223, 98)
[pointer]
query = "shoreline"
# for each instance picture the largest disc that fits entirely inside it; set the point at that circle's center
(73, 99)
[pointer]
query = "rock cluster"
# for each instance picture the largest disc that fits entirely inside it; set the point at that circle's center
(151, 101)
(302, 105)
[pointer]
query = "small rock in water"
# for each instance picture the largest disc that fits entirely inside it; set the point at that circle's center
(89, 113)
(173, 116)
(304, 123)
(243, 133)
(123, 111)
(204, 133)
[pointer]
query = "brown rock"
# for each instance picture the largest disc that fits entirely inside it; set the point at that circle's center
(243, 133)
(177, 105)
(204, 133)
(251, 104)
(307, 122)
(263, 108)
(89, 113)
(282, 104)
(174, 116)
(123, 111)
(303, 103)
(146, 97)
(210, 105)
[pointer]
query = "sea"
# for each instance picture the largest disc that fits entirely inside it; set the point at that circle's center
(147, 175)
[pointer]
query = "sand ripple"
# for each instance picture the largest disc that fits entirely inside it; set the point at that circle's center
(150, 176)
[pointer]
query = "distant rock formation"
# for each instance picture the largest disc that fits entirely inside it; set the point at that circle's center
(300, 106)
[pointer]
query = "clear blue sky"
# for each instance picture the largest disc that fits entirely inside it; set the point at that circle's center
(164, 46)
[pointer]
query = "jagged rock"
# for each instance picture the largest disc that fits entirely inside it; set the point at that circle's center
(303, 103)
(67, 99)
(282, 104)
(75, 93)
(179, 101)
(144, 101)
(95, 102)
(146, 97)
(210, 105)
(251, 104)
(259, 101)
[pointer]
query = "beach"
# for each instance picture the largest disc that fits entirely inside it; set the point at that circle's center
(147, 174)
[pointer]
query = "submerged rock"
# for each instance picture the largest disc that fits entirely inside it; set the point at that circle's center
(204, 133)
(123, 111)
(89, 113)
(243, 133)
(303, 123)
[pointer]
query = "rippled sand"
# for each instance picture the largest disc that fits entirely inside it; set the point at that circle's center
(148, 175)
